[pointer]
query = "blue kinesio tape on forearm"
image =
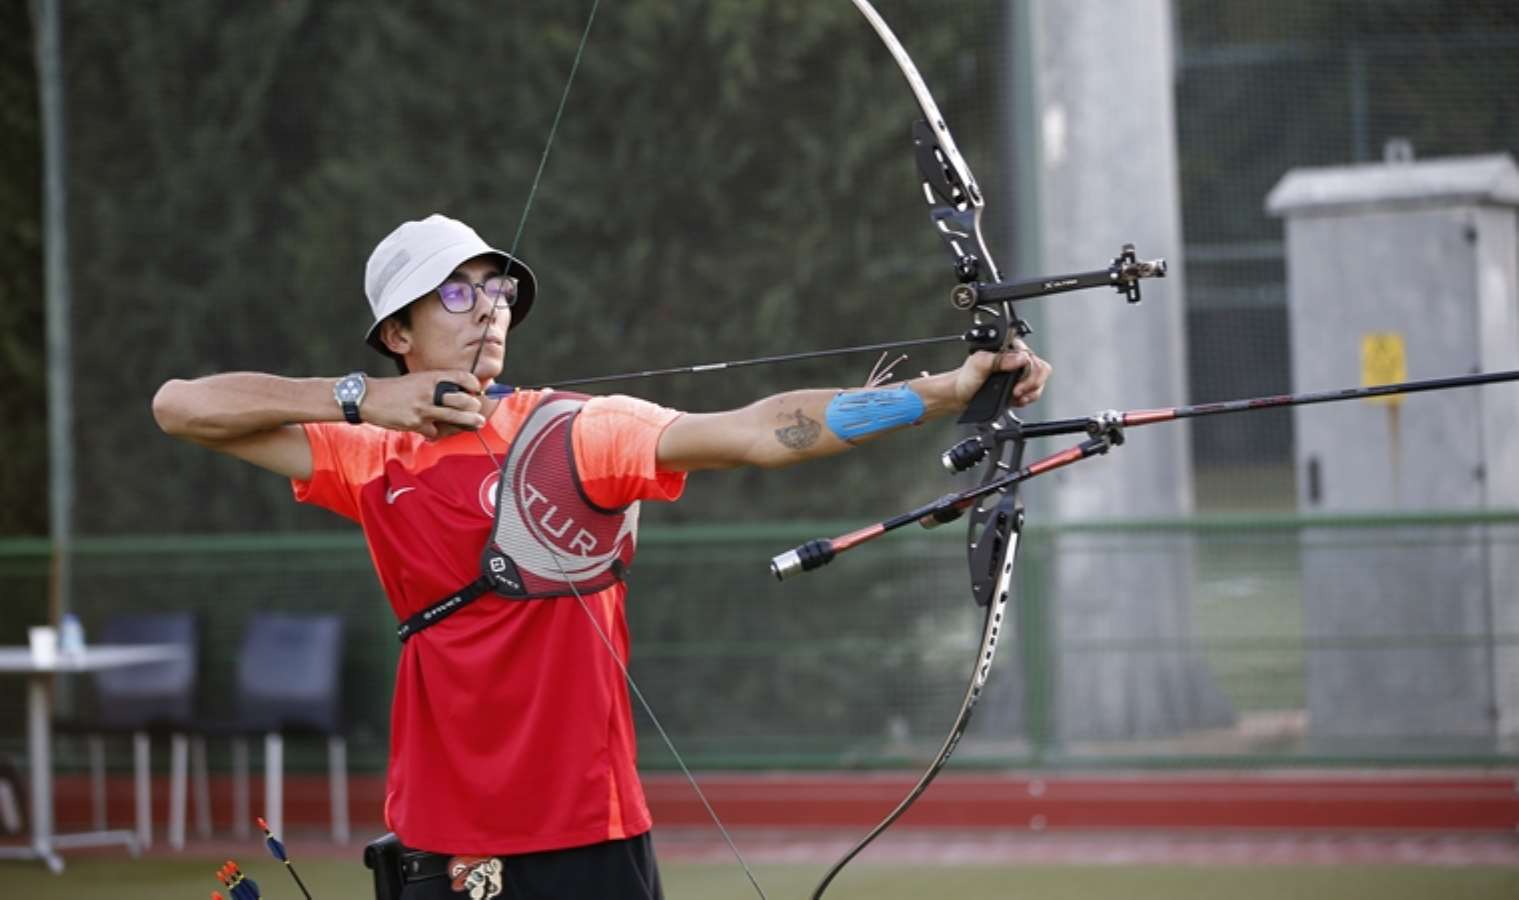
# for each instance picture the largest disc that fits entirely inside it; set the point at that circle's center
(856, 414)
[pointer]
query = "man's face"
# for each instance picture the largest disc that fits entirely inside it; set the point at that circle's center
(440, 339)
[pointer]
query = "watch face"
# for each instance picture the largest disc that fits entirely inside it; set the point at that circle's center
(350, 389)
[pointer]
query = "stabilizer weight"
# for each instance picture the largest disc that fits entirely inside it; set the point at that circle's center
(805, 558)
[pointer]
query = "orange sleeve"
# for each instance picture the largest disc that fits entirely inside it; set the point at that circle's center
(616, 441)
(344, 458)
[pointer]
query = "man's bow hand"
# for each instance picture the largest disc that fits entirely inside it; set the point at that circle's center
(982, 365)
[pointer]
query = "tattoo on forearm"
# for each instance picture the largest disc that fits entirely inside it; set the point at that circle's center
(801, 435)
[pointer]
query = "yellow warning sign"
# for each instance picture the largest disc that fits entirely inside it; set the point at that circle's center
(1383, 361)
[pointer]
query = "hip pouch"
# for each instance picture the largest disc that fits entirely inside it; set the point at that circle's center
(383, 857)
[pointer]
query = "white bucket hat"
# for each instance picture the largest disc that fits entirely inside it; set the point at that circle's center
(418, 256)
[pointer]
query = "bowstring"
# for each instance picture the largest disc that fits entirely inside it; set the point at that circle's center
(643, 702)
(606, 640)
(496, 463)
(543, 159)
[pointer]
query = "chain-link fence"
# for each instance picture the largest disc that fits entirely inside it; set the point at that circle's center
(865, 663)
(1265, 88)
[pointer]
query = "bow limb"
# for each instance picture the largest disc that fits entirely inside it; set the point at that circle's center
(956, 186)
(955, 207)
(996, 523)
(996, 520)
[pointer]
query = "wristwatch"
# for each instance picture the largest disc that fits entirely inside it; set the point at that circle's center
(349, 392)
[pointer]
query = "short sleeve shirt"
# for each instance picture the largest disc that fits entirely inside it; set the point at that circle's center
(511, 729)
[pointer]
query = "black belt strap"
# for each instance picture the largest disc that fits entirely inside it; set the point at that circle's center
(444, 608)
(419, 865)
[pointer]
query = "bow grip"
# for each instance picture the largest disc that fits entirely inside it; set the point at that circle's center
(993, 397)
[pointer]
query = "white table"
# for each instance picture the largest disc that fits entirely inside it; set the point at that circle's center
(39, 733)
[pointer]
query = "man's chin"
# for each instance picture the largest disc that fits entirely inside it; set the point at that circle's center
(488, 369)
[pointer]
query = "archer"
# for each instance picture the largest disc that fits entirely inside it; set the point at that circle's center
(512, 753)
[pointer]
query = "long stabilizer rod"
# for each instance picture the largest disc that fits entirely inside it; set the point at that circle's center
(1104, 431)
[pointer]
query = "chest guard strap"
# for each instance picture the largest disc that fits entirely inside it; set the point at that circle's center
(548, 539)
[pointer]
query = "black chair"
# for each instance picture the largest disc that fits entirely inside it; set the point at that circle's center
(289, 682)
(154, 699)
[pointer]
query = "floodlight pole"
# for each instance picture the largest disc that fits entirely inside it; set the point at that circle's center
(60, 383)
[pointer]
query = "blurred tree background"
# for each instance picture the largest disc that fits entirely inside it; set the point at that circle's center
(23, 395)
(730, 179)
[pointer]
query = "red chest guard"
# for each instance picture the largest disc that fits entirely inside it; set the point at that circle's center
(548, 538)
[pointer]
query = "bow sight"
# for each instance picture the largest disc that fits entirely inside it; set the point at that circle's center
(1122, 275)
(996, 323)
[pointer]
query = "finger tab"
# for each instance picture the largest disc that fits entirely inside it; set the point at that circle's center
(442, 389)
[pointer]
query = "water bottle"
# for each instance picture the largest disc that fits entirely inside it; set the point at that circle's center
(70, 637)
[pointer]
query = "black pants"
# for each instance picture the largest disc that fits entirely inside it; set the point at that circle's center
(613, 870)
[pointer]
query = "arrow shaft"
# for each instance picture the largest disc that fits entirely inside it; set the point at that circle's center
(1145, 417)
(1136, 417)
(496, 390)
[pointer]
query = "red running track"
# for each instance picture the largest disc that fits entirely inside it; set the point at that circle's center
(1375, 801)
(1468, 802)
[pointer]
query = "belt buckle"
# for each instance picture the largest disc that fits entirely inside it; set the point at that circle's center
(477, 876)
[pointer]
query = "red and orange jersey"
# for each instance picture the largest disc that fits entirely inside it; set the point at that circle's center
(511, 730)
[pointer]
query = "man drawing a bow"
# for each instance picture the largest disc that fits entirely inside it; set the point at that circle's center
(510, 738)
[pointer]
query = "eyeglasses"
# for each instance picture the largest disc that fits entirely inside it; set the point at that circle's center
(459, 296)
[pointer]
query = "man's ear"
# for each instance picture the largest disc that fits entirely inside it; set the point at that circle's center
(395, 336)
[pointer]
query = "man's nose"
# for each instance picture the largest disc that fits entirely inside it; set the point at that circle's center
(485, 308)
(483, 305)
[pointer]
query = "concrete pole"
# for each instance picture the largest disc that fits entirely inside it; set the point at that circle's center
(60, 395)
(1104, 159)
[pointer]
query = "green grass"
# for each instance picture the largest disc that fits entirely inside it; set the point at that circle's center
(158, 879)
